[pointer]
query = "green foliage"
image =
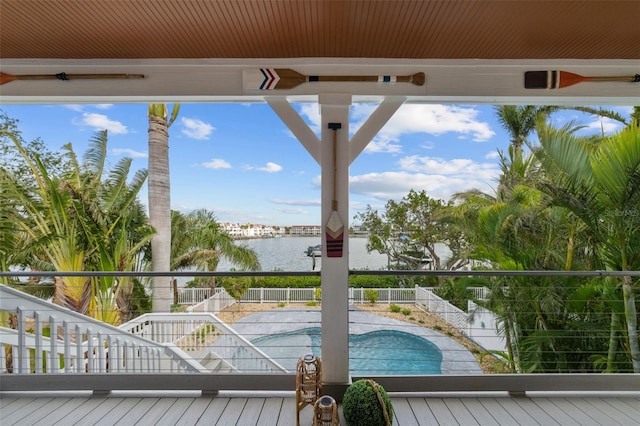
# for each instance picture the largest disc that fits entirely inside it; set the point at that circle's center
(238, 286)
(361, 407)
(371, 295)
(406, 311)
(456, 291)
(395, 308)
(408, 231)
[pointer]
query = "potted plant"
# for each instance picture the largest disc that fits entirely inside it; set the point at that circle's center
(366, 403)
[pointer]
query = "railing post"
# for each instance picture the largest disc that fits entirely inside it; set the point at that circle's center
(23, 357)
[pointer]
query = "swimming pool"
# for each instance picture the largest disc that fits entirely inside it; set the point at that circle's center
(380, 352)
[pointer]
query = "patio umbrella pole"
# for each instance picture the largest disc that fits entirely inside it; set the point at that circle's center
(63, 76)
(335, 228)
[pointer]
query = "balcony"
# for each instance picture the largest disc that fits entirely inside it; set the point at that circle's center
(160, 369)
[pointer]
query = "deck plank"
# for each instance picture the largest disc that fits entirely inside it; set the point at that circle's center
(517, 412)
(536, 412)
(213, 411)
(574, 412)
(156, 412)
(595, 407)
(555, 412)
(66, 405)
(110, 411)
(83, 411)
(195, 411)
(632, 411)
(480, 413)
(17, 407)
(138, 413)
(247, 410)
(403, 413)
(441, 411)
(251, 412)
(498, 412)
(270, 411)
(462, 415)
(32, 416)
(175, 413)
(287, 415)
(230, 416)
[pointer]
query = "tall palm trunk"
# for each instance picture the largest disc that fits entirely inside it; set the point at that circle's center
(160, 208)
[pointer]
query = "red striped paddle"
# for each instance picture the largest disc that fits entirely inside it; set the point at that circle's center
(285, 78)
(335, 229)
(560, 79)
(6, 78)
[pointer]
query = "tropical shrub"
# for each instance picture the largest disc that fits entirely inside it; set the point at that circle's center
(371, 295)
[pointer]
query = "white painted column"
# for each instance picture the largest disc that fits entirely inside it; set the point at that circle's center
(334, 108)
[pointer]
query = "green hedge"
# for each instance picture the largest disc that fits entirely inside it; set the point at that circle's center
(357, 281)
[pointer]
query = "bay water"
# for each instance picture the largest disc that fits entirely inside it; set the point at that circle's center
(290, 254)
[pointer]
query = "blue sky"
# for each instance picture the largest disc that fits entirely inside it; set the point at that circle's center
(241, 162)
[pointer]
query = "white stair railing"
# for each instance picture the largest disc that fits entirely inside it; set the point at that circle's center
(52, 339)
(198, 332)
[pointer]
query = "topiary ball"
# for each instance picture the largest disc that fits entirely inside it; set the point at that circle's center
(361, 404)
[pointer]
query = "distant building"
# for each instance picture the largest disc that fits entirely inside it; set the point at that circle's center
(252, 230)
(305, 230)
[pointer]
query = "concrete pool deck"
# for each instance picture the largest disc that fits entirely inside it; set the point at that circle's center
(456, 359)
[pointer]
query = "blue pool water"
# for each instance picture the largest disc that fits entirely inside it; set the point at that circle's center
(382, 352)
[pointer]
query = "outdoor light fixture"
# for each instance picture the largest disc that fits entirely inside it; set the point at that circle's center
(308, 382)
(325, 412)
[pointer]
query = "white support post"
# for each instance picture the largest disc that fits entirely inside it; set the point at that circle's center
(334, 108)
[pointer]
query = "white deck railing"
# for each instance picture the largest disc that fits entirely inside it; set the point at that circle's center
(198, 332)
(195, 296)
(436, 305)
(51, 339)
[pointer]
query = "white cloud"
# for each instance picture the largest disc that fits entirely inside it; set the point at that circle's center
(102, 122)
(314, 203)
(129, 153)
(293, 211)
(438, 119)
(216, 163)
(604, 124)
(440, 178)
(271, 168)
(457, 166)
(411, 119)
(196, 129)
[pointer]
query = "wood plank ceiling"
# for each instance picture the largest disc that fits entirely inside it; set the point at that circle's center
(424, 29)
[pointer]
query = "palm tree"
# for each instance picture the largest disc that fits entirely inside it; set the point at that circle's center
(160, 202)
(77, 221)
(199, 242)
(600, 184)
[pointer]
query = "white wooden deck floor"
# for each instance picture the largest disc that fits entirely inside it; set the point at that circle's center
(189, 408)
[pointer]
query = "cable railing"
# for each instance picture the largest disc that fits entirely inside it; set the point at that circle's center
(561, 339)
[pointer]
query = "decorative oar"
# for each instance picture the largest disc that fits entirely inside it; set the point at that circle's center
(285, 78)
(334, 229)
(63, 76)
(560, 79)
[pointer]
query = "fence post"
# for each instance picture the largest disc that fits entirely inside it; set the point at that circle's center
(288, 295)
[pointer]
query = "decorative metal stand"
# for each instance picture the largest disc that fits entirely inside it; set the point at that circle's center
(325, 412)
(308, 382)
